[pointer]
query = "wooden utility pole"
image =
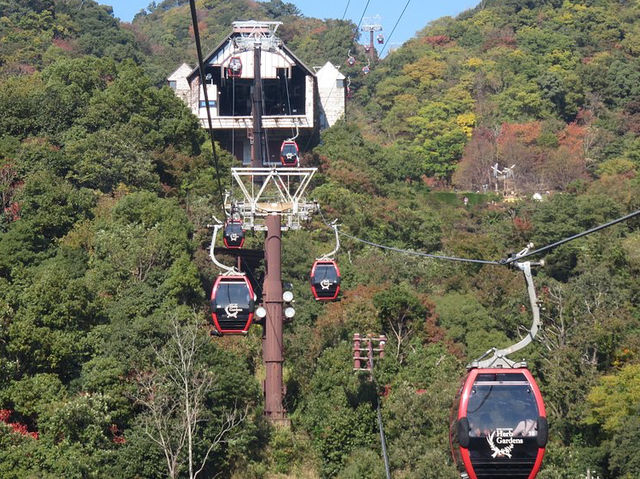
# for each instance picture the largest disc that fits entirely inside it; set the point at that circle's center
(357, 366)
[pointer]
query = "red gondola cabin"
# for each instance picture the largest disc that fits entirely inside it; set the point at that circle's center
(380, 38)
(233, 234)
(235, 67)
(501, 427)
(325, 280)
(289, 153)
(232, 304)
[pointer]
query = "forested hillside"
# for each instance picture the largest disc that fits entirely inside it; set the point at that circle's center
(107, 186)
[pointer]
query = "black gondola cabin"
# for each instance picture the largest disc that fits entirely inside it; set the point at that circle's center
(501, 426)
(232, 304)
(233, 235)
(380, 38)
(325, 280)
(289, 153)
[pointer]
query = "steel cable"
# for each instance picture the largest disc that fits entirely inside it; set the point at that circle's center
(196, 34)
(503, 262)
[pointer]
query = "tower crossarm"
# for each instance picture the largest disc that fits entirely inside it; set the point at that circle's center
(267, 191)
(248, 33)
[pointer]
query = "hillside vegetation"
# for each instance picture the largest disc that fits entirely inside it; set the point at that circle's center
(107, 185)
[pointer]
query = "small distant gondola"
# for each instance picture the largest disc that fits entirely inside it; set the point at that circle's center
(233, 235)
(289, 153)
(501, 427)
(232, 304)
(235, 67)
(325, 280)
(380, 38)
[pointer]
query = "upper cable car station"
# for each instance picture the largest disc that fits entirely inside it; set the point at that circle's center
(296, 100)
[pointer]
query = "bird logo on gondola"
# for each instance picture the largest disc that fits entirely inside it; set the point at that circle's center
(325, 284)
(497, 452)
(232, 310)
(234, 237)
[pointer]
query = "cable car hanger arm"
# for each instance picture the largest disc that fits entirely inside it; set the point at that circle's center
(334, 225)
(226, 269)
(499, 356)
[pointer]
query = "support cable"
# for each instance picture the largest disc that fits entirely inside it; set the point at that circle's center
(571, 238)
(503, 262)
(362, 16)
(394, 28)
(345, 10)
(286, 84)
(265, 132)
(405, 251)
(418, 253)
(233, 114)
(196, 34)
(383, 442)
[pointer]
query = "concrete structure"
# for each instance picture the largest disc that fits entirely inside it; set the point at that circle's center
(331, 91)
(179, 84)
(296, 102)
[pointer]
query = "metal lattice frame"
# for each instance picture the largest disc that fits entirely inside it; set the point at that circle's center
(372, 24)
(269, 191)
(252, 32)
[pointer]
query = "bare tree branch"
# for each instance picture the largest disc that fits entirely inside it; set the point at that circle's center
(173, 396)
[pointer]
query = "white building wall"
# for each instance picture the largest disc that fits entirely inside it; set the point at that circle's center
(331, 90)
(182, 88)
(309, 100)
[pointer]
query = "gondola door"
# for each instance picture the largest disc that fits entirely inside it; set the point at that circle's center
(501, 427)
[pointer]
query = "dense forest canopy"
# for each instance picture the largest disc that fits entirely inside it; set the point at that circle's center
(107, 187)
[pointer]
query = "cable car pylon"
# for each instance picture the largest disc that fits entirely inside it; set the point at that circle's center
(501, 427)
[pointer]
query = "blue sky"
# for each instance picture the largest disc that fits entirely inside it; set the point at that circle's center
(417, 15)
